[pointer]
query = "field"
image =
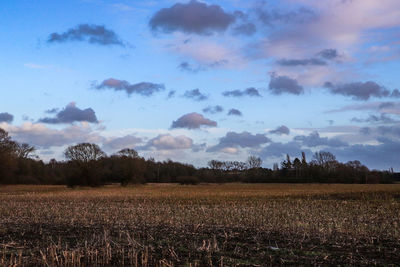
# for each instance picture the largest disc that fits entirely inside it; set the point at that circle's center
(203, 225)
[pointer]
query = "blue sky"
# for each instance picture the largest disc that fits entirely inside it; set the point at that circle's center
(199, 80)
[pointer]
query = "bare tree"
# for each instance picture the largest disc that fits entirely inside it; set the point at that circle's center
(24, 150)
(216, 164)
(239, 166)
(325, 159)
(84, 164)
(6, 144)
(84, 152)
(128, 152)
(254, 162)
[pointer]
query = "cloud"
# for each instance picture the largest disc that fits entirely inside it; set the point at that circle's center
(301, 62)
(245, 29)
(193, 121)
(337, 23)
(382, 156)
(395, 93)
(358, 90)
(280, 130)
(314, 140)
(393, 130)
(382, 107)
(213, 109)
(234, 112)
(284, 84)
(38, 135)
(171, 94)
(118, 143)
(294, 149)
(6, 117)
(168, 142)
(365, 131)
(51, 111)
(328, 54)
(186, 66)
(271, 17)
(143, 88)
(195, 95)
(233, 140)
(382, 118)
(192, 17)
(93, 34)
(71, 114)
(240, 93)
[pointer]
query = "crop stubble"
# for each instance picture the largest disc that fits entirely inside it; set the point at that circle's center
(219, 225)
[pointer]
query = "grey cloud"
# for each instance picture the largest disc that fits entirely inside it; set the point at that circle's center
(314, 140)
(168, 142)
(301, 62)
(213, 109)
(386, 105)
(382, 107)
(118, 143)
(240, 15)
(244, 140)
(71, 114)
(94, 34)
(395, 93)
(218, 63)
(195, 95)
(52, 111)
(280, 149)
(365, 131)
(199, 147)
(271, 17)
(382, 118)
(192, 17)
(171, 94)
(281, 130)
(6, 117)
(393, 130)
(245, 29)
(27, 118)
(193, 121)
(359, 90)
(239, 93)
(186, 66)
(328, 54)
(284, 84)
(382, 156)
(234, 112)
(143, 88)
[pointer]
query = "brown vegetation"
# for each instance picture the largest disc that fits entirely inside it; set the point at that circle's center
(218, 225)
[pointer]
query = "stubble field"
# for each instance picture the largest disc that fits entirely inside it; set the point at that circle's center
(203, 225)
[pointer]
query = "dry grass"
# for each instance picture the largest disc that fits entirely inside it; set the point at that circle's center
(218, 225)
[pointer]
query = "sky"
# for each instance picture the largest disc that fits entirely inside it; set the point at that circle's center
(194, 80)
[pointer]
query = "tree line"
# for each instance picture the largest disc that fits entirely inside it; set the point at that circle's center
(87, 165)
